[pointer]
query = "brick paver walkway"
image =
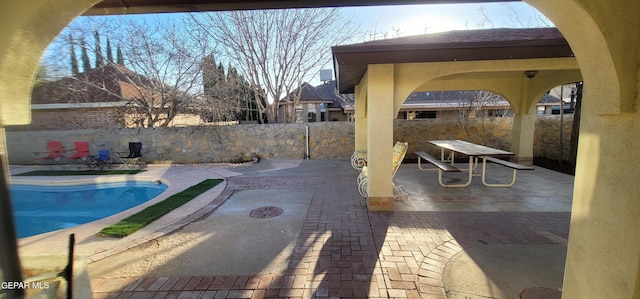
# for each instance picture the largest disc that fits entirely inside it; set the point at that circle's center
(344, 251)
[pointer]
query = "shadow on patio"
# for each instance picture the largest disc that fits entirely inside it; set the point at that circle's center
(342, 250)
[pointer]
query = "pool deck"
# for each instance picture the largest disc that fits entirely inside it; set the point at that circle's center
(438, 243)
(93, 247)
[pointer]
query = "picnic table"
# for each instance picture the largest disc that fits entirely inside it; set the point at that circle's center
(475, 153)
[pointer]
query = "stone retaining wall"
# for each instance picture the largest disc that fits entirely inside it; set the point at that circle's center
(327, 140)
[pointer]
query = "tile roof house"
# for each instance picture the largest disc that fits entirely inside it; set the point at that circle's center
(432, 104)
(314, 104)
(69, 104)
(342, 105)
(104, 97)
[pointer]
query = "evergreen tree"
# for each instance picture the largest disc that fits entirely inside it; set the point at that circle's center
(86, 63)
(74, 58)
(119, 56)
(42, 76)
(210, 75)
(248, 109)
(99, 60)
(231, 72)
(109, 54)
(221, 70)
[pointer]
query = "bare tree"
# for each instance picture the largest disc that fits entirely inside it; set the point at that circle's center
(515, 20)
(482, 105)
(475, 103)
(163, 73)
(171, 60)
(276, 50)
(486, 20)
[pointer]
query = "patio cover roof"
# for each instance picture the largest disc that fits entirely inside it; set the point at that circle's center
(106, 7)
(350, 61)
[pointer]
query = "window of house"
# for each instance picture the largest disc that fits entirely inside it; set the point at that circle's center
(425, 114)
(497, 112)
(311, 117)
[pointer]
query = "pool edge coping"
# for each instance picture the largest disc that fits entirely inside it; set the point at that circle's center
(175, 219)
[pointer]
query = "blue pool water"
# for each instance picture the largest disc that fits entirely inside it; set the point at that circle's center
(41, 209)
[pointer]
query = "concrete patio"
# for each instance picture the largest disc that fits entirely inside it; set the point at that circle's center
(473, 242)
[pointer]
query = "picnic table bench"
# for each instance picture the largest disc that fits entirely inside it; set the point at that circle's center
(514, 166)
(474, 152)
(444, 166)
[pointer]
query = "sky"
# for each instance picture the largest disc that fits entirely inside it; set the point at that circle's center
(377, 22)
(430, 18)
(403, 20)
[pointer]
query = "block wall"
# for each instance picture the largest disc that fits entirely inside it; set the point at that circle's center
(327, 140)
(70, 119)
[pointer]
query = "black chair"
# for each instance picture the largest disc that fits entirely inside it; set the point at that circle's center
(132, 158)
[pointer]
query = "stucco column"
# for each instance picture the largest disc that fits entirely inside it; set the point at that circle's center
(9, 260)
(380, 115)
(524, 123)
(603, 253)
(360, 117)
(522, 137)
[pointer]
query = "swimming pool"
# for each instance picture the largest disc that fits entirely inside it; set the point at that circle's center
(41, 209)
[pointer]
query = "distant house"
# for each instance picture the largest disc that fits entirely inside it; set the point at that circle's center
(550, 102)
(341, 107)
(68, 104)
(454, 104)
(103, 97)
(431, 104)
(314, 105)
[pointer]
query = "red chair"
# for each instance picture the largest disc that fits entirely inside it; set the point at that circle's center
(54, 151)
(81, 151)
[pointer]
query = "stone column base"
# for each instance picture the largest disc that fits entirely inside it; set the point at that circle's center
(380, 203)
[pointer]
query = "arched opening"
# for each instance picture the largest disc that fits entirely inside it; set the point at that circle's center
(606, 51)
(592, 48)
(454, 104)
(604, 36)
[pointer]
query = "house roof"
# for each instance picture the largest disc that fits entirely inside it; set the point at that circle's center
(121, 82)
(428, 100)
(308, 94)
(547, 98)
(344, 101)
(350, 61)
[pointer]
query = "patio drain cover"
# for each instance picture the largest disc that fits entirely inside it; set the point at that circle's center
(266, 212)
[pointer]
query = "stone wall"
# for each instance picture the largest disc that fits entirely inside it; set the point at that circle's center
(327, 140)
(547, 142)
(493, 132)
